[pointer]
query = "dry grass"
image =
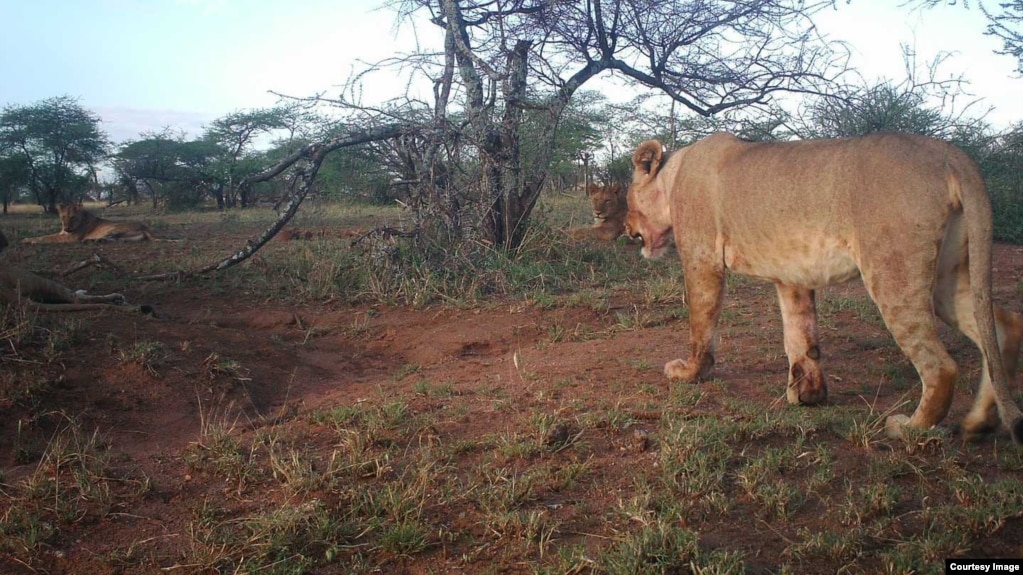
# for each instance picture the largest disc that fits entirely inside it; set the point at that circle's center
(556, 483)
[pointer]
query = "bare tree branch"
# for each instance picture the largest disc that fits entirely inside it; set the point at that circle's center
(312, 157)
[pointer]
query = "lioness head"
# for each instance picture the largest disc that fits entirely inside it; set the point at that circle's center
(649, 216)
(608, 202)
(71, 217)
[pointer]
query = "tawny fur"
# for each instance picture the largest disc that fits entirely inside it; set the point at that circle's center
(609, 209)
(80, 225)
(24, 288)
(908, 214)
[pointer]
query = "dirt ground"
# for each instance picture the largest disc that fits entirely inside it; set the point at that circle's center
(293, 361)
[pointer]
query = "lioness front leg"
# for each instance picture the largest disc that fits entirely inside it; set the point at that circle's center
(799, 320)
(57, 238)
(705, 287)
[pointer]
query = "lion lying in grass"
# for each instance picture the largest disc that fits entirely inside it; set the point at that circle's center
(609, 209)
(24, 288)
(80, 225)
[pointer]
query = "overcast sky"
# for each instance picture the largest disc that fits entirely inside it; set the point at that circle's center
(145, 64)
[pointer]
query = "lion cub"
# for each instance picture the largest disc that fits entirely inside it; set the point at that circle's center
(80, 225)
(609, 210)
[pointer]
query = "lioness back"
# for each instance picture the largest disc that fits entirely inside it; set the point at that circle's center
(820, 202)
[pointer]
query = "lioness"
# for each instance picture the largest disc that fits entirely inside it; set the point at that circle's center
(22, 287)
(609, 208)
(908, 214)
(80, 225)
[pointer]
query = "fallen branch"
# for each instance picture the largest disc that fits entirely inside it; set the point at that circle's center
(305, 177)
(95, 259)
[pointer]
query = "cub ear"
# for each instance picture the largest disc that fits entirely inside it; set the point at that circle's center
(592, 189)
(647, 159)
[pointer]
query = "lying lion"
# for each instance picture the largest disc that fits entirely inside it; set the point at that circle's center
(22, 287)
(907, 214)
(80, 225)
(609, 208)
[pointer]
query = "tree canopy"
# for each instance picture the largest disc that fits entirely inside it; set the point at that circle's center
(60, 144)
(507, 72)
(509, 111)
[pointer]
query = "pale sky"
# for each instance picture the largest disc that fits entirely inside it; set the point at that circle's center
(145, 64)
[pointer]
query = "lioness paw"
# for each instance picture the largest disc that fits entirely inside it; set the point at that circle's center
(687, 371)
(895, 426)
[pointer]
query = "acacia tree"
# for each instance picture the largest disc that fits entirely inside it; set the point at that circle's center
(152, 162)
(61, 142)
(1003, 173)
(925, 102)
(1007, 26)
(14, 177)
(503, 58)
(1005, 23)
(236, 134)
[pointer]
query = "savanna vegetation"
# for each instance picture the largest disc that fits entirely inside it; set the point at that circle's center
(431, 376)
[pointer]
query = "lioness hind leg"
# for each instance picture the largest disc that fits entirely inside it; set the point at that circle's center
(983, 416)
(917, 336)
(134, 237)
(81, 296)
(954, 304)
(806, 383)
(906, 304)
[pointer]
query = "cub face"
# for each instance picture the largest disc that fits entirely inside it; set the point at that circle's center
(649, 216)
(607, 201)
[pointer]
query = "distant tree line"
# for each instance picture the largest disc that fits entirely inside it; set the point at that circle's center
(509, 117)
(53, 150)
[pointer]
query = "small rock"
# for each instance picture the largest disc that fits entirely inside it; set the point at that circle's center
(640, 440)
(557, 435)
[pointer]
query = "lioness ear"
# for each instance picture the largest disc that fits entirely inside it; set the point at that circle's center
(592, 189)
(647, 158)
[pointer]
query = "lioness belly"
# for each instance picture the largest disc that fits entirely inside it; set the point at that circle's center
(799, 264)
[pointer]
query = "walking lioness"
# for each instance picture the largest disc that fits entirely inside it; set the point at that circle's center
(908, 214)
(80, 225)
